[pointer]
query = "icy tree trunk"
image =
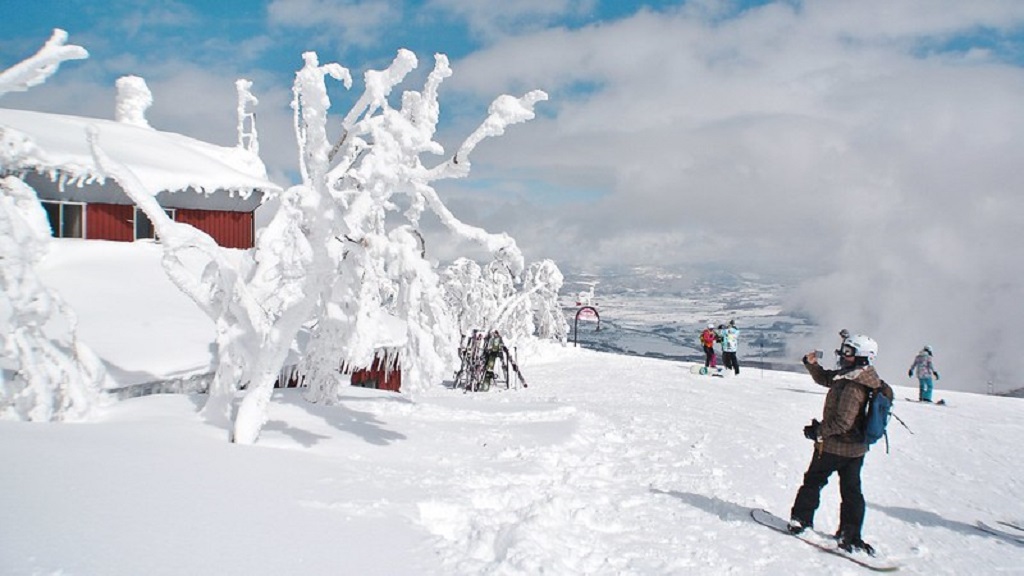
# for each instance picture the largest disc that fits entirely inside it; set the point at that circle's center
(318, 216)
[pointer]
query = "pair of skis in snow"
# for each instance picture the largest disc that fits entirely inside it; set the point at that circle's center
(1013, 531)
(482, 352)
(823, 542)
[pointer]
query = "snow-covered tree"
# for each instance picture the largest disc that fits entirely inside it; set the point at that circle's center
(53, 376)
(330, 262)
(490, 298)
(379, 158)
(46, 373)
(472, 302)
(542, 282)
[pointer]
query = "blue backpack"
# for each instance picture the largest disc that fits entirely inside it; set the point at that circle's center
(877, 412)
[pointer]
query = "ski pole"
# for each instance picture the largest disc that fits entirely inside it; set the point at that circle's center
(900, 420)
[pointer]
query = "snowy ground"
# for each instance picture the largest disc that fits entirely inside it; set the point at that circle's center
(606, 464)
(131, 315)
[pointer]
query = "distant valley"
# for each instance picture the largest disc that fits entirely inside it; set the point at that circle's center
(654, 313)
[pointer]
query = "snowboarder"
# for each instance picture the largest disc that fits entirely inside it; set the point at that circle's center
(925, 370)
(707, 340)
(730, 345)
(838, 441)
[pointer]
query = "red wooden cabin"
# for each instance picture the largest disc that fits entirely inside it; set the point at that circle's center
(216, 189)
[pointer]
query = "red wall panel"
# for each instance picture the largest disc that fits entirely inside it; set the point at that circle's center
(115, 222)
(378, 376)
(229, 229)
(109, 222)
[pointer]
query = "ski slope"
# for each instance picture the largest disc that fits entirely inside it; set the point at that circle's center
(606, 464)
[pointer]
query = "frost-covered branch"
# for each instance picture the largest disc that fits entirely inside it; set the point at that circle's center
(175, 237)
(37, 68)
(16, 150)
(247, 139)
(378, 85)
(503, 112)
(501, 245)
(310, 104)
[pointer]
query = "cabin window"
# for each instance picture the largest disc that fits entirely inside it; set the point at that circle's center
(144, 226)
(67, 219)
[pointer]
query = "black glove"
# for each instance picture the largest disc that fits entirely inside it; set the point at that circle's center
(910, 373)
(936, 374)
(811, 430)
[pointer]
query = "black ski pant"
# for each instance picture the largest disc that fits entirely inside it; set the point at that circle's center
(731, 363)
(709, 356)
(851, 509)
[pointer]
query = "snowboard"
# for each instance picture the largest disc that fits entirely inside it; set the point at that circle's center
(941, 402)
(1015, 535)
(821, 542)
(698, 369)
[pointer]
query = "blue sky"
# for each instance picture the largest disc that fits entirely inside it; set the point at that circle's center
(868, 152)
(272, 35)
(639, 92)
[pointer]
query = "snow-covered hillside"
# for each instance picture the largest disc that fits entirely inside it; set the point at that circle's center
(606, 464)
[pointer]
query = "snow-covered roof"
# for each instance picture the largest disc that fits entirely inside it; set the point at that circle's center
(163, 161)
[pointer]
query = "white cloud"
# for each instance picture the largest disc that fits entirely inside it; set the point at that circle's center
(352, 22)
(489, 20)
(133, 18)
(832, 139)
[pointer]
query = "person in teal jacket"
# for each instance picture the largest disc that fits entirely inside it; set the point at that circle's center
(925, 368)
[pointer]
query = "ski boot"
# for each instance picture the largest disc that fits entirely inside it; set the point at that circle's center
(797, 526)
(853, 544)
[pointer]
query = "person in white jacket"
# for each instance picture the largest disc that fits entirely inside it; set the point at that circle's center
(730, 345)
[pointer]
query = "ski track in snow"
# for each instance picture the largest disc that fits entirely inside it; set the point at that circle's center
(589, 485)
(583, 506)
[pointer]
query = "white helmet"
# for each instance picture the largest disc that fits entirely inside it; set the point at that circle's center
(711, 325)
(863, 347)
